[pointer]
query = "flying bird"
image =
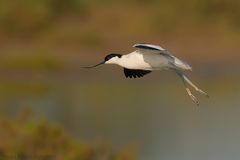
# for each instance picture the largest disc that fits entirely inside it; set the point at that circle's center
(147, 58)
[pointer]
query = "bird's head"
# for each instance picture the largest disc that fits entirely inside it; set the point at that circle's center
(112, 58)
(109, 59)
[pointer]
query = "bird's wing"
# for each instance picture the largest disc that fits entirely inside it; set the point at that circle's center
(148, 47)
(144, 48)
(135, 73)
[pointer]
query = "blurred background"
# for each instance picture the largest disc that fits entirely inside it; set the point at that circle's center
(45, 94)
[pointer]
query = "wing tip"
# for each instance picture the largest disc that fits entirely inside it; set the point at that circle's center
(130, 73)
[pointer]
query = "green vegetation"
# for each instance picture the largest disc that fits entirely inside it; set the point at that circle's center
(31, 63)
(30, 17)
(27, 139)
(26, 16)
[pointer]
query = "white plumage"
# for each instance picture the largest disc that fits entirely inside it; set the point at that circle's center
(147, 58)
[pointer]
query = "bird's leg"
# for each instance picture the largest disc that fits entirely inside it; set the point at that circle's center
(191, 95)
(187, 89)
(194, 86)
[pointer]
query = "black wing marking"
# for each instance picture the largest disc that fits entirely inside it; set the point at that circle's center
(148, 46)
(135, 73)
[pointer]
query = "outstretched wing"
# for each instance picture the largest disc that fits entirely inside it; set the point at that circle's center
(135, 73)
(148, 47)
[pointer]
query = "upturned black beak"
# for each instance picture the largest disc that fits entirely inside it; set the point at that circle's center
(95, 65)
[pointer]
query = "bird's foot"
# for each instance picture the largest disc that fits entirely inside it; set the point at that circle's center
(195, 100)
(203, 93)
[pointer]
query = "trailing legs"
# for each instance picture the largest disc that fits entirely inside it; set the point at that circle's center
(186, 81)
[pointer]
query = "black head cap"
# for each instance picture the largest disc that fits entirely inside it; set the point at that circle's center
(112, 55)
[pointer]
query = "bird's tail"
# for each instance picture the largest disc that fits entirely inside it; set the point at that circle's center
(181, 64)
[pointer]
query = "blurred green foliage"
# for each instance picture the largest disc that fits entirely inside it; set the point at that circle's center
(221, 9)
(24, 138)
(27, 16)
(32, 63)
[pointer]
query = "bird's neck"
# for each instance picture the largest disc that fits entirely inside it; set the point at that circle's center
(123, 61)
